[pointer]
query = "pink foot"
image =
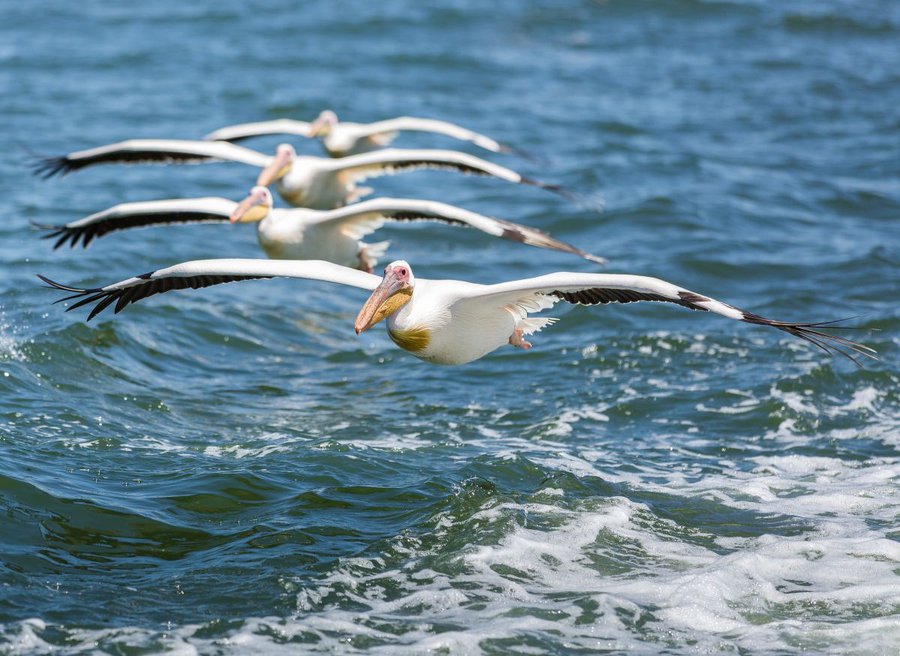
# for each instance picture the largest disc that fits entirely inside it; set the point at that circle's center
(518, 340)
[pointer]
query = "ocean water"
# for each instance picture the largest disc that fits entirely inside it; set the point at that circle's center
(233, 471)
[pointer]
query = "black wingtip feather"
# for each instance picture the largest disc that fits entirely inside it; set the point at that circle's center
(124, 296)
(57, 285)
(558, 189)
(524, 154)
(48, 167)
(809, 331)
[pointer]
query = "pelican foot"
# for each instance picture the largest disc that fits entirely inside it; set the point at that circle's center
(518, 340)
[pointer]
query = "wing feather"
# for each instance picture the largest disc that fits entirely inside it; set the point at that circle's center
(206, 273)
(139, 215)
(599, 289)
(361, 219)
(413, 124)
(357, 168)
(241, 131)
(151, 151)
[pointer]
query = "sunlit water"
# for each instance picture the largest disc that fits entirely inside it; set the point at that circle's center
(233, 471)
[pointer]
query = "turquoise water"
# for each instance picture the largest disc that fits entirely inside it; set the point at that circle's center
(234, 471)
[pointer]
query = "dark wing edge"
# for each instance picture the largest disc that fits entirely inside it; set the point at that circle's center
(124, 296)
(48, 167)
(540, 239)
(88, 232)
(410, 165)
(511, 232)
(238, 138)
(810, 332)
(518, 152)
(560, 190)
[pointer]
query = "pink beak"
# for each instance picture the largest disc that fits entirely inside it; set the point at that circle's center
(371, 313)
(283, 159)
(242, 208)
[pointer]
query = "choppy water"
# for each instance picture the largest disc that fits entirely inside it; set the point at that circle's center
(233, 471)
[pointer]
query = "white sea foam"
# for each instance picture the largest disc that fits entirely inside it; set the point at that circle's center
(10, 340)
(811, 570)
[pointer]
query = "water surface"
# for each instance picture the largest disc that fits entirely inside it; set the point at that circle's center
(233, 471)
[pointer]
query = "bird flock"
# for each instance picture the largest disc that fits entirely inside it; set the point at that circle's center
(320, 238)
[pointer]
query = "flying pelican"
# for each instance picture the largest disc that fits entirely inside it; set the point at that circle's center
(304, 181)
(342, 138)
(446, 321)
(301, 234)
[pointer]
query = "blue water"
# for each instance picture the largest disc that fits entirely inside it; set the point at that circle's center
(234, 471)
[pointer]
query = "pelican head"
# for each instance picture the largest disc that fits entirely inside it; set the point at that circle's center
(393, 293)
(321, 127)
(255, 207)
(279, 167)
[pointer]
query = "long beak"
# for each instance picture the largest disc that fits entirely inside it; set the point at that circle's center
(249, 210)
(387, 298)
(314, 127)
(277, 169)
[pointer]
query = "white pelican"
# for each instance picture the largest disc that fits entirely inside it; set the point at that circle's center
(341, 138)
(447, 321)
(301, 234)
(304, 181)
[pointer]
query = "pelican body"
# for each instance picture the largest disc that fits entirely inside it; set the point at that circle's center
(342, 138)
(302, 233)
(303, 181)
(448, 321)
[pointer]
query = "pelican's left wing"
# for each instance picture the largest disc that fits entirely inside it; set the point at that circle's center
(534, 294)
(360, 219)
(205, 273)
(150, 151)
(356, 168)
(140, 215)
(259, 129)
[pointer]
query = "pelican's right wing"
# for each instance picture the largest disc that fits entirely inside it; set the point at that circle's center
(159, 151)
(259, 129)
(361, 219)
(205, 273)
(393, 125)
(534, 294)
(355, 168)
(140, 215)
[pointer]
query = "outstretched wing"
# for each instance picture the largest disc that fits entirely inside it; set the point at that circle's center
(361, 219)
(139, 215)
(534, 294)
(356, 168)
(150, 151)
(393, 125)
(205, 273)
(259, 129)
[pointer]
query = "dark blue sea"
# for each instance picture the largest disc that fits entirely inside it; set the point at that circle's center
(234, 471)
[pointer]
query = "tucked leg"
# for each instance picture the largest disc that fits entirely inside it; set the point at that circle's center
(518, 340)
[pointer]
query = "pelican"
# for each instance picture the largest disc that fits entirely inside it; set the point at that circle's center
(301, 234)
(303, 181)
(447, 321)
(342, 138)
